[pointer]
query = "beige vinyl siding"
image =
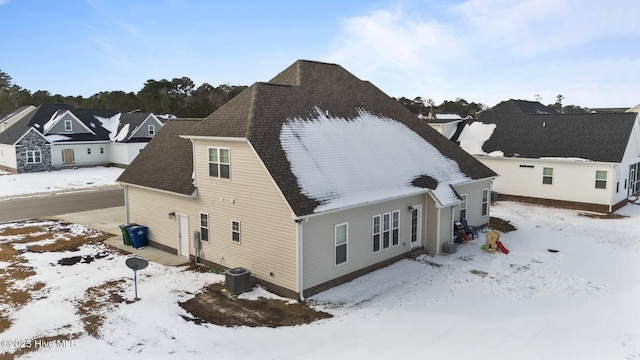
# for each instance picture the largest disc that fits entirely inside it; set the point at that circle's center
(268, 230)
(319, 239)
(474, 201)
(151, 208)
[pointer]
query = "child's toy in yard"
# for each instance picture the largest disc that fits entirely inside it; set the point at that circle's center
(502, 248)
(492, 237)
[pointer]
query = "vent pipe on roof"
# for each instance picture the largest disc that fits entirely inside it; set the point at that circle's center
(544, 124)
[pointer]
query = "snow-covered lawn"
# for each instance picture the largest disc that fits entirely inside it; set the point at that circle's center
(16, 185)
(578, 303)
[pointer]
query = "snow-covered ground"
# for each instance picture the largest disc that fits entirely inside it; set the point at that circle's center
(578, 303)
(18, 185)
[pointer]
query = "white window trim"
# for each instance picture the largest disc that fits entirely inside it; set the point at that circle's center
(547, 176)
(70, 125)
(239, 232)
(219, 163)
(31, 155)
(395, 227)
(606, 173)
(374, 233)
(205, 227)
(335, 243)
(485, 202)
(464, 205)
(151, 130)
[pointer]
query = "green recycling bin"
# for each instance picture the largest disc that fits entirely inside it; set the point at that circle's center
(126, 238)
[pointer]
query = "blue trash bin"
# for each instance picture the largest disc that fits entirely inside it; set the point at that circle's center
(138, 236)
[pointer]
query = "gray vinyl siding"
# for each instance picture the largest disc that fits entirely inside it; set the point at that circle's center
(474, 201)
(319, 242)
(143, 129)
(431, 244)
(76, 127)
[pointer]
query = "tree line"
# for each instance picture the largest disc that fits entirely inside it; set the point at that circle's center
(179, 97)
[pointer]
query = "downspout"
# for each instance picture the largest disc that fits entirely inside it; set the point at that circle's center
(453, 208)
(299, 258)
(126, 204)
(614, 175)
(438, 231)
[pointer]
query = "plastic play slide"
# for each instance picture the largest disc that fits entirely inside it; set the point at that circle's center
(501, 247)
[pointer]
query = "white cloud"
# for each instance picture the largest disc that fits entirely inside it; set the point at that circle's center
(492, 50)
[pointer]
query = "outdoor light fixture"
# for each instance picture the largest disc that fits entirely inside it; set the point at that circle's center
(172, 215)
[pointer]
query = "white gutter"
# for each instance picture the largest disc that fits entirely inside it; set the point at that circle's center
(192, 196)
(126, 204)
(419, 192)
(218, 138)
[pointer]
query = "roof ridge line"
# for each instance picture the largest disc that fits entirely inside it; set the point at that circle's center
(252, 112)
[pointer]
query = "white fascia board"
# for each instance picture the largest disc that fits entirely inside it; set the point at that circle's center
(37, 132)
(546, 160)
(192, 196)
(217, 138)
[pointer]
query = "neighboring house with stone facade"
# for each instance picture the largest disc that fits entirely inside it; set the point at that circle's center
(579, 160)
(54, 136)
(308, 181)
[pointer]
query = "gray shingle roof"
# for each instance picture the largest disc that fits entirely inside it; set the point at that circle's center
(166, 163)
(592, 136)
(259, 112)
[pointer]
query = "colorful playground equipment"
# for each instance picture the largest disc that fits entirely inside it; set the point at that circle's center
(493, 242)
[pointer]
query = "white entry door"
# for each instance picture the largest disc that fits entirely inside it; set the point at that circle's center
(183, 235)
(416, 226)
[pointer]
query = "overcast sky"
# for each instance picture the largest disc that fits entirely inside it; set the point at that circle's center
(481, 50)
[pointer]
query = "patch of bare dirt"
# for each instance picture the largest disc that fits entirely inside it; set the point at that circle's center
(501, 225)
(602, 216)
(96, 304)
(215, 307)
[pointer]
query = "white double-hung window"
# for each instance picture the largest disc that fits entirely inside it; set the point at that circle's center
(219, 163)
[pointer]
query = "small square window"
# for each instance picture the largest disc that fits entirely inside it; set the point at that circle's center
(151, 130)
(88, 150)
(101, 150)
(68, 125)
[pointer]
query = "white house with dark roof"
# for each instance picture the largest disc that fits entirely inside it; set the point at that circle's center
(308, 180)
(580, 160)
(54, 136)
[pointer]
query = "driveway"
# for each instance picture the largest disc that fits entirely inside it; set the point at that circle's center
(60, 203)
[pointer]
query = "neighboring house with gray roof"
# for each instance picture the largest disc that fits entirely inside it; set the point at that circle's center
(580, 160)
(307, 180)
(56, 136)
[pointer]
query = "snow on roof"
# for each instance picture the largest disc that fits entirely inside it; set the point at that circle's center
(448, 117)
(347, 162)
(474, 136)
(111, 125)
(56, 137)
(51, 121)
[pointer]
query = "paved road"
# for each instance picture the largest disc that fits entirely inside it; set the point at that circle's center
(64, 203)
